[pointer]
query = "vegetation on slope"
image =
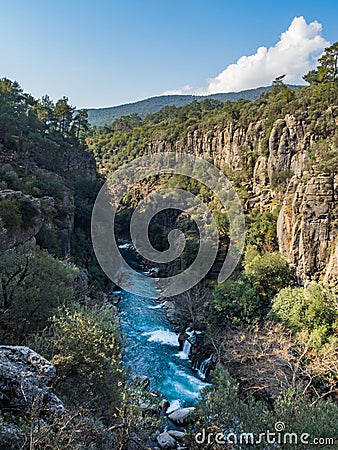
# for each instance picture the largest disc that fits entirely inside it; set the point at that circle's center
(52, 300)
(274, 343)
(105, 116)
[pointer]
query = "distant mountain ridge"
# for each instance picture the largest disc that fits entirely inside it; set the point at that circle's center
(103, 116)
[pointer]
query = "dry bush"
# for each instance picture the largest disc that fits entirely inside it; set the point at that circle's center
(266, 360)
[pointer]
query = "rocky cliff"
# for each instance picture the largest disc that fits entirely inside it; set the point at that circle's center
(55, 212)
(308, 228)
(275, 162)
(25, 379)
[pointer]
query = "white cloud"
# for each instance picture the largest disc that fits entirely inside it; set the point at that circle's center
(184, 90)
(295, 53)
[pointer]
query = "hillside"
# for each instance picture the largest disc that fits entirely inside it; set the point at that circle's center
(265, 339)
(276, 150)
(102, 116)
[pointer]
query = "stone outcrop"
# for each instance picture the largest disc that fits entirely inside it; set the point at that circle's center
(178, 435)
(165, 441)
(67, 167)
(307, 230)
(248, 149)
(55, 214)
(24, 379)
(181, 415)
(21, 233)
(307, 227)
(331, 274)
(77, 164)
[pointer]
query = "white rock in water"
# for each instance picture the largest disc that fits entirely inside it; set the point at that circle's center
(181, 414)
(165, 441)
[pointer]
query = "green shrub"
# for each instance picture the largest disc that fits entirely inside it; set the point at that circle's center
(8, 177)
(312, 309)
(47, 239)
(33, 285)
(235, 302)
(18, 211)
(10, 213)
(268, 274)
(84, 344)
(262, 231)
(223, 410)
(27, 210)
(41, 187)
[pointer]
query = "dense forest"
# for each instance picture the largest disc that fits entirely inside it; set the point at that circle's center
(104, 116)
(271, 330)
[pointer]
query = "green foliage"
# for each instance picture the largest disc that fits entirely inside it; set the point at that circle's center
(251, 251)
(129, 137)
(47, 239)
(9, 178)
(137, 414)
(80, 123)
(10, 213)
(85, 192)
(235, 302)
(218, 404)
(27, 210)
(312, 310)
(262, 231)
(84, 344)
(223, 410)
(102, 116)
(327, 70)
(268, 274)
(222, 222)
(37, 129)
(18, 211)
(279, 180)
(32, 286)
(64, 115)
(278, 83)
(325, 155)
(44, 186)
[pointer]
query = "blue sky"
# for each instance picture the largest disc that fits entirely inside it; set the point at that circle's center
(111, 52)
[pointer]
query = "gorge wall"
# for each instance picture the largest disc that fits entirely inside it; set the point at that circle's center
(278, 173)
(54, 212)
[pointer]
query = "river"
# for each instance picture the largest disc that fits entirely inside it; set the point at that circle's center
(151, 346)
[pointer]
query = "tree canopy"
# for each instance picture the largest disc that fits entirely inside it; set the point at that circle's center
(327, 69)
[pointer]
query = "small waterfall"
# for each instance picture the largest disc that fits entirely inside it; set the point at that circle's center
(186, 348)
(203, 367)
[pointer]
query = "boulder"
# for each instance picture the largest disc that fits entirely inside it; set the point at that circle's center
(24, 379)
(181, 415)
(178, 435)
(165, 441)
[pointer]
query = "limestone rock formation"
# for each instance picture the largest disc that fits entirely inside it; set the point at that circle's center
(307, 227)
(77, 164)
(165, 441)
(307, 230)
(24, 379)
(181, 415)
